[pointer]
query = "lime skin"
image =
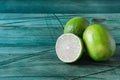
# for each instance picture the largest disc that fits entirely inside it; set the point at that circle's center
(76, 26)
(99, 42)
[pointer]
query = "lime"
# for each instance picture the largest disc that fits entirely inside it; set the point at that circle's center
(99, 42)
(76, 26)
(69, 48)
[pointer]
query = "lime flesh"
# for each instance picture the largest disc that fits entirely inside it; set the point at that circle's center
(69, 48)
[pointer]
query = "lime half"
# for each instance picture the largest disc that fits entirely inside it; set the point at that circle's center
(69, 48)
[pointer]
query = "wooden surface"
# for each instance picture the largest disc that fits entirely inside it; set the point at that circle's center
(28, 32)
(60, 6)
(27, 48)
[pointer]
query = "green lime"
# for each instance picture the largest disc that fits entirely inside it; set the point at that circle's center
(76, 26)
(99, 42)
(69, 48)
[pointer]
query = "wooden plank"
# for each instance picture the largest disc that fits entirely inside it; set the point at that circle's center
(45, 65)
(61, 6)
(44, 29)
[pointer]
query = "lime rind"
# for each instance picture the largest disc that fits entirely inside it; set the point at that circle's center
(76, 26)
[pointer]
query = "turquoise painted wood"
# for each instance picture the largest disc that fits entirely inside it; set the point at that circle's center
(60, 6)
(27, 50)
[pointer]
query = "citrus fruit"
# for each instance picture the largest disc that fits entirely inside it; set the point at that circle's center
(76, 26)
(99, 42)
(69, 48)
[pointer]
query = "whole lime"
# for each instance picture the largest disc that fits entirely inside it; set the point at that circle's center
(99, 42)
(76, 26)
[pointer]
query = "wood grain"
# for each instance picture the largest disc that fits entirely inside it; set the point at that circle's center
(27, 48)
(60, 6)
(45, 65)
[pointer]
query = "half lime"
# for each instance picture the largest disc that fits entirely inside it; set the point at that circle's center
(69, 48)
